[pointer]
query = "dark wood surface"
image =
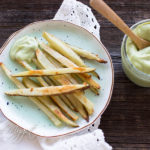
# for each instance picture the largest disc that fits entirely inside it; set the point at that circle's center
(126, 122)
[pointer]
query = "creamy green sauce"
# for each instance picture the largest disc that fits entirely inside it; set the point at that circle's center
(140, 58)
(24, 49)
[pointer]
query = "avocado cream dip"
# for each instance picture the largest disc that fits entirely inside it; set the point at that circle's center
(140, 58)
(24, 49)
(136, 63)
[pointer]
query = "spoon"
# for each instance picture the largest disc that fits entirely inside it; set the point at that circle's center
(107, 12)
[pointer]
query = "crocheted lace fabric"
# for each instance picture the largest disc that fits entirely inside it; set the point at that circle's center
(80, 14)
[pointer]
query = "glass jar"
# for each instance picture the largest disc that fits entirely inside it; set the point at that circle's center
(138, 77)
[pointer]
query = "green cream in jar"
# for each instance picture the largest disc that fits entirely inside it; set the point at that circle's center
(140, 58)
(136, 63)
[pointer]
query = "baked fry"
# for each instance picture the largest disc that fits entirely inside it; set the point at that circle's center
(78, 94)
(79, 106)
(48, 103)
(86, 54)
(68, 63)
(67, 102)
(52, 72)
(56, 99)
(58, 65)
(50, 115)
(46, 91)
(74, 78)
(75, 103)
(62, 48)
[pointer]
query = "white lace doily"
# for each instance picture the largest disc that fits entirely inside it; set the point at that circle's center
(76, 12)
(80, 14)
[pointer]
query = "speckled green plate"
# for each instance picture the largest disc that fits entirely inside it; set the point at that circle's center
(22, 111)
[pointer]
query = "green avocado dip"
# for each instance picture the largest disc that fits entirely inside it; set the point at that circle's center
(24, 49)
(140, 58)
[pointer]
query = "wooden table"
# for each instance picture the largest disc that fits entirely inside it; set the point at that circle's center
(126, 122)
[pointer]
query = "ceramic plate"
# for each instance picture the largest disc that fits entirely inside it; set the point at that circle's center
(22, 111)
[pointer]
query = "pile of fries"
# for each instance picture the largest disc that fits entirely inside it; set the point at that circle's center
(57, 87)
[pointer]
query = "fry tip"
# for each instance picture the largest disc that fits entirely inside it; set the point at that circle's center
(85, 84)
(37, 51)
(102, 61)
(87, 118)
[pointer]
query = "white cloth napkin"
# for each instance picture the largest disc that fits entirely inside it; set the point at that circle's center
(89, 141)
(91, 138)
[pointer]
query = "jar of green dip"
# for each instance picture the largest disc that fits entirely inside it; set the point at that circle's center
(136, 63)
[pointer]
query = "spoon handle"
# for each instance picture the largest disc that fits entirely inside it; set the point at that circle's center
(107, 12)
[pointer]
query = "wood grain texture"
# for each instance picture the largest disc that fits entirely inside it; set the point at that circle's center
(126, 122)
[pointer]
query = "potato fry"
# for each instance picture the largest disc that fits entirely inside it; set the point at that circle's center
(56, 99)
(29, 68)
(86, 103)
(95, 74)
(42, 81)
(82, 114)
(45, 63)
(58, 65)
(46, 36)
(60, 58)
(48, 103)
(79, 107)
(79, 95)
(67, 102)
(63, 97)
(86, 54)
(74, 78)
(77, 78)
(50, 82)
(52, 72)
(77, 104)
(50, 115)
(84, 78)
(13, 79)
(62, 48)
(68, 63)
(60, 102)
(25, 64)
(46, 91)
(54, 61)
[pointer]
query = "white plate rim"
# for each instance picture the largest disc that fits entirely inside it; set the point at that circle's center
(112, 70)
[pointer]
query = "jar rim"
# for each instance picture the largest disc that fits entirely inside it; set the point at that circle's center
(123, 45)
